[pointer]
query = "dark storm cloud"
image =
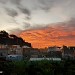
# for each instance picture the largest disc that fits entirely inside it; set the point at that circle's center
(25, 10)
(11, 12)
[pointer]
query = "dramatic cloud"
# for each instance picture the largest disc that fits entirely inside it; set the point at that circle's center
(35, 12)
(56, 19)
(50, 36)
(11, 12)
(25, 11)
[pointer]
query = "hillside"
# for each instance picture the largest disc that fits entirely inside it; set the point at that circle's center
(7, 39)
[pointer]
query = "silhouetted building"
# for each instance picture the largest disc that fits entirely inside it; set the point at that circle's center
(54, 52)
(30, 52)
(68, 52)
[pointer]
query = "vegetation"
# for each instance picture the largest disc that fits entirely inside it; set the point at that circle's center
(38, 67)
(7, 39)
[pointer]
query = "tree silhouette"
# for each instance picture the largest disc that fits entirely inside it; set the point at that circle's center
(7, 39)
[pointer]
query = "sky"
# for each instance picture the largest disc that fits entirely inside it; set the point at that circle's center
(43, 23)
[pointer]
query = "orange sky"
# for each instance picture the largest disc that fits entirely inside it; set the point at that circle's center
(50, 36)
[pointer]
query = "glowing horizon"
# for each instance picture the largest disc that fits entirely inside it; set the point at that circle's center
(50, 36)
(50, 21)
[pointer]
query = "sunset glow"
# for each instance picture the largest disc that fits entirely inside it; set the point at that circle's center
(50, 36)
(43, 23)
